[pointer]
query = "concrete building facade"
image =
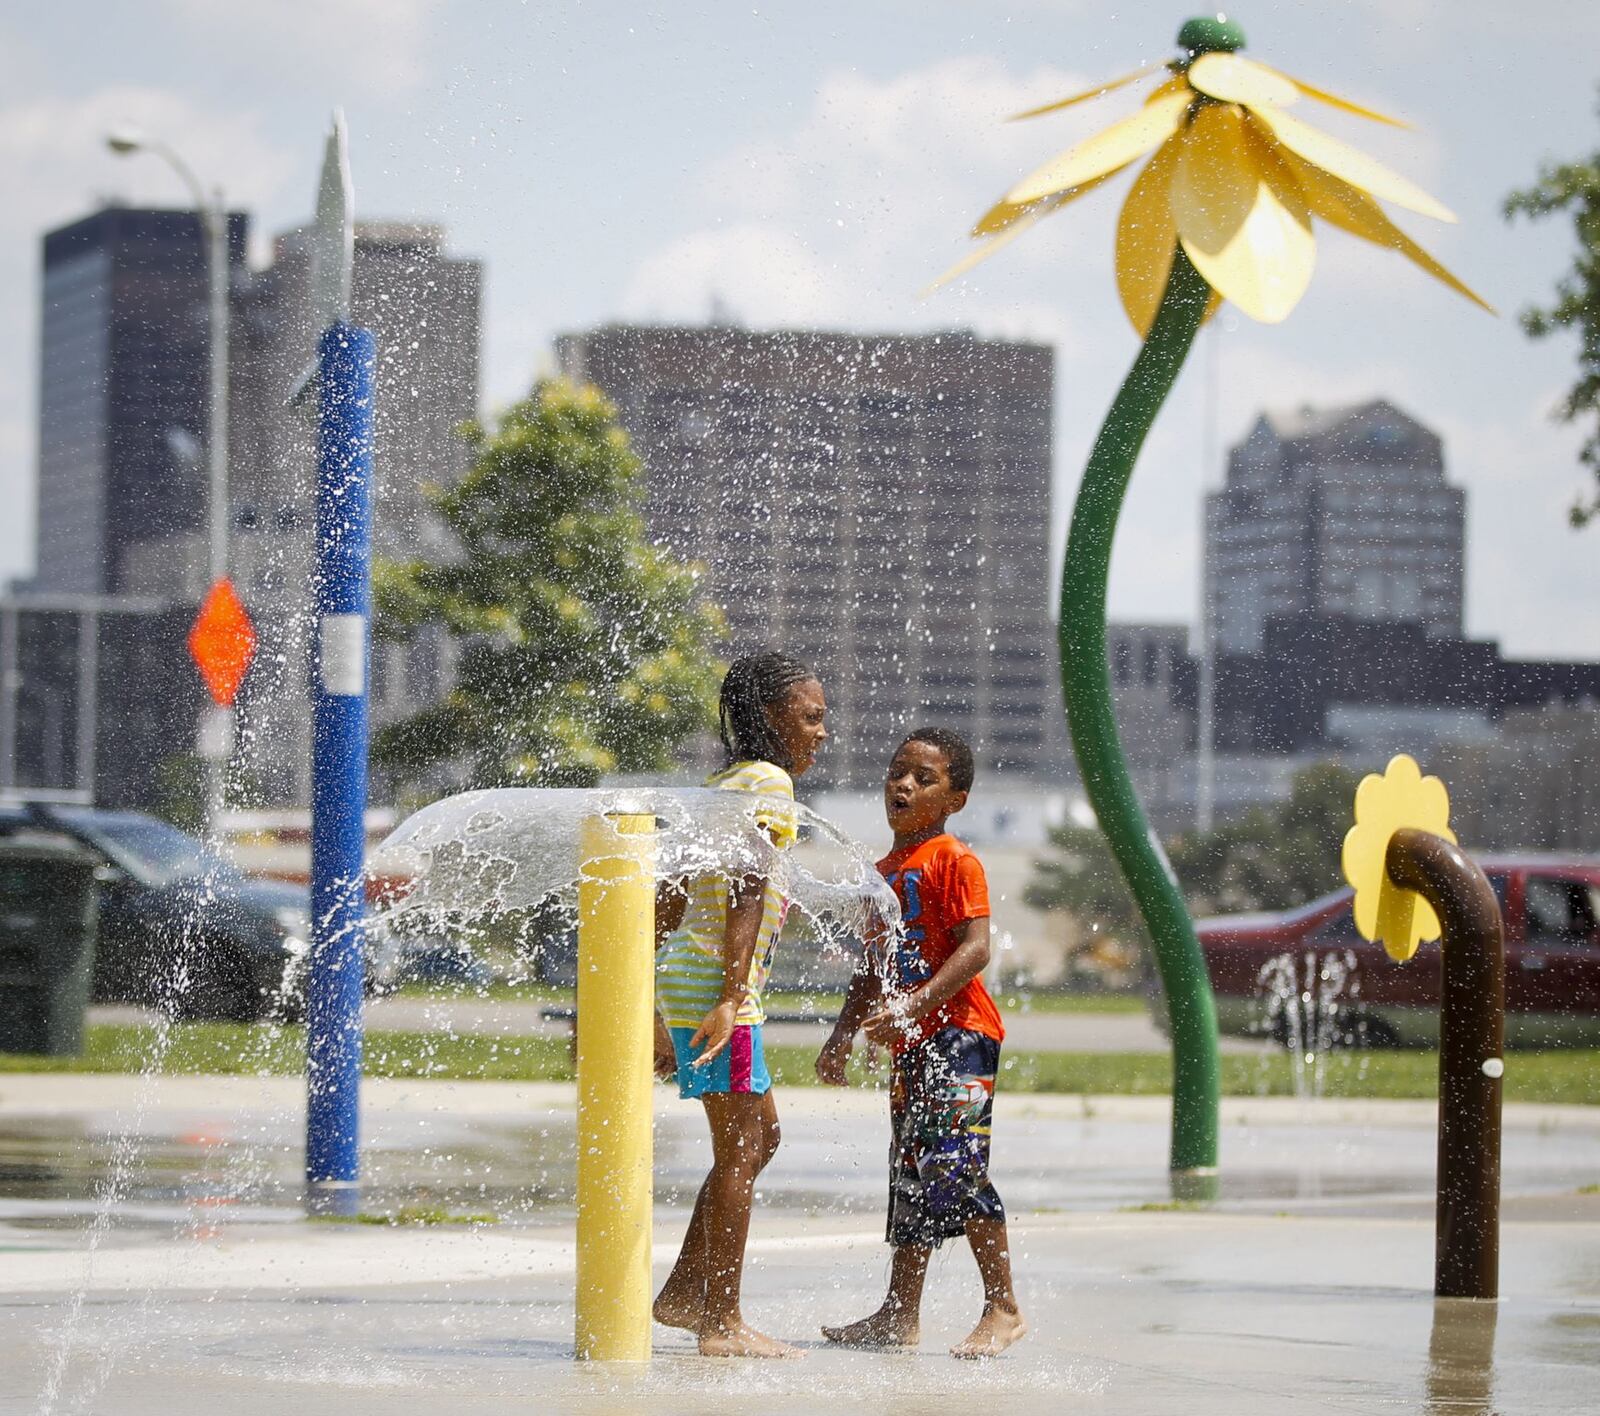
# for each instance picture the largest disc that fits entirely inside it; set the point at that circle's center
(1334, 512)
(98, 699)
(877, 505)
(424, 307)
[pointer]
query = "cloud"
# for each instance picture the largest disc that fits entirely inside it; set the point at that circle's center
(379, 44)
(860, 204)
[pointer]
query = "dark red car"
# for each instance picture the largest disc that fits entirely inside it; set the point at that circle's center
(1308, 979)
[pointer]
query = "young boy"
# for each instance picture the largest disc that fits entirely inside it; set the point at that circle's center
(928, 1003)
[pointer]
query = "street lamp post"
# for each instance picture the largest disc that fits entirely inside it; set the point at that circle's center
(216, 729)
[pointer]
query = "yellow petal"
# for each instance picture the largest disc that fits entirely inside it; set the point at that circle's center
(1345, 163)
(1241, 216)
(1026, 218)
(1003, 215)
(1234, 79)
(1401, 797)
(1176, 84)
(1146, 238)
(1334, 101)
(1342, 205)
(1085, 96)
(1106, 152)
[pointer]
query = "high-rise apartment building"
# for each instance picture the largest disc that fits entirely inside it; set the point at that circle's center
(423, 306)
(1334, 512)
(877, 505)
(124, 343)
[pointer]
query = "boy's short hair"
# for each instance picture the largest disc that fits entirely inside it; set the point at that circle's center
(957, 755)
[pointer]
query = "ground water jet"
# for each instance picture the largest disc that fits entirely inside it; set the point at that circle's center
(1309, 1006)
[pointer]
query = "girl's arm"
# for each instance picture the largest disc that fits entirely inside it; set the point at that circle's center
(967, 960)
(866, 987)
(746, 902)
(672, 897)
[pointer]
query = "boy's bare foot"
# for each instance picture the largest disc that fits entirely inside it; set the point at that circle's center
(679, 1310)
(742, 1340)
(887, 1328)
(997, 1329)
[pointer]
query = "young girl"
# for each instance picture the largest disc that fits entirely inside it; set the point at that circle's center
(710, 974)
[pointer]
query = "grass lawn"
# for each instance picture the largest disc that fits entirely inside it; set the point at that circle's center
(244, 1049)
(1041, 1001)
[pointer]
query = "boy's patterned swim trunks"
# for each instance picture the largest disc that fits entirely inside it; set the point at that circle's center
(940, 1100)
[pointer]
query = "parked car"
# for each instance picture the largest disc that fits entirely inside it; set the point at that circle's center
(181, 929)
(1551, 909)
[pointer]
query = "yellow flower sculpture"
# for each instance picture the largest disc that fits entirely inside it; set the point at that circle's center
(1235, 180)
(1402, 797)
(1222, 209)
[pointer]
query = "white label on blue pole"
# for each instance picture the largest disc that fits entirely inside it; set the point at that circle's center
(343, 654)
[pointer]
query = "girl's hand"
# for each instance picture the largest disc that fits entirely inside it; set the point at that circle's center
(666, 1059)
(833, 1059)
(715, 1030)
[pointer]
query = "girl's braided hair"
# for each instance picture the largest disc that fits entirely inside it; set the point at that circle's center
(752, 685)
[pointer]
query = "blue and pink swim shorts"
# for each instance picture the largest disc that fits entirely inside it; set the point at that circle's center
(741, 1066)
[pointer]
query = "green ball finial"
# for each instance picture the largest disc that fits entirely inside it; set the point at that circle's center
(1210, 34)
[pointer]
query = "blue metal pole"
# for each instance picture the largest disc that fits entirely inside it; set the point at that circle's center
(347, 359)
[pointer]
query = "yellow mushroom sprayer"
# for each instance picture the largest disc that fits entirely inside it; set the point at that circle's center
(1223, 209)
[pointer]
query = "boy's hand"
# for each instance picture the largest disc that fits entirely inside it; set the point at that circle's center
(833, 1059)
(715, 1030)
(666, 1058)
(887, 1026)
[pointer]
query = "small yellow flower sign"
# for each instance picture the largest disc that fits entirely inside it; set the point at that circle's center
(1401, 798)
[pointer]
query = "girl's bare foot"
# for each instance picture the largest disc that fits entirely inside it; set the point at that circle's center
(997, 1329)
(890, 1326)
(676, 1309)
(741, 1340)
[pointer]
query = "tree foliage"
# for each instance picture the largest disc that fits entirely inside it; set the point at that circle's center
(1573, 187)
(1267, 860)
(582, 649)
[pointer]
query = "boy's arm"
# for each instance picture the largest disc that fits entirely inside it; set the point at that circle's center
(967, 960)
(746, 902)
(866, 987)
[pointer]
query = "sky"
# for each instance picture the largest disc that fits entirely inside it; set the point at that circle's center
(813, 165)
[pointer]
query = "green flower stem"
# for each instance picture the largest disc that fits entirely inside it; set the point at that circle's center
(1086, 689)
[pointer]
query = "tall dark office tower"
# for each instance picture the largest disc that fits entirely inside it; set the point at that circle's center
(877, 505)
(1334, 511)
(124, 343)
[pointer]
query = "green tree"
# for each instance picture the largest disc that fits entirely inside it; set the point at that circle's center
(583, 649)
(1266, 860)
(1573, 187)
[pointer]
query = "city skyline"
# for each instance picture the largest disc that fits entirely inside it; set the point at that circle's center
(874, 504)
(812, 171)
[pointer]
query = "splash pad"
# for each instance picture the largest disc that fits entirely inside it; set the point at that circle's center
(520, 851)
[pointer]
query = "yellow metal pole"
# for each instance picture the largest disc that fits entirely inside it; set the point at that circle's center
(616, 935)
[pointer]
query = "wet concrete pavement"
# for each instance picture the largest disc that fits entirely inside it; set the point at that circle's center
(1306, 1288)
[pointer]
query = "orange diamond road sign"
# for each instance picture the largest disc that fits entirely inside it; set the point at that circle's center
(222, 642)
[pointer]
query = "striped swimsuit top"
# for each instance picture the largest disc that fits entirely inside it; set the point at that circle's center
(689, 964)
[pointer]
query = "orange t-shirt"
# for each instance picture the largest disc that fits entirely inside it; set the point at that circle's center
(940, 884)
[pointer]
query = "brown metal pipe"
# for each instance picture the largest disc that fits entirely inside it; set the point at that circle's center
(1466, 1260)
